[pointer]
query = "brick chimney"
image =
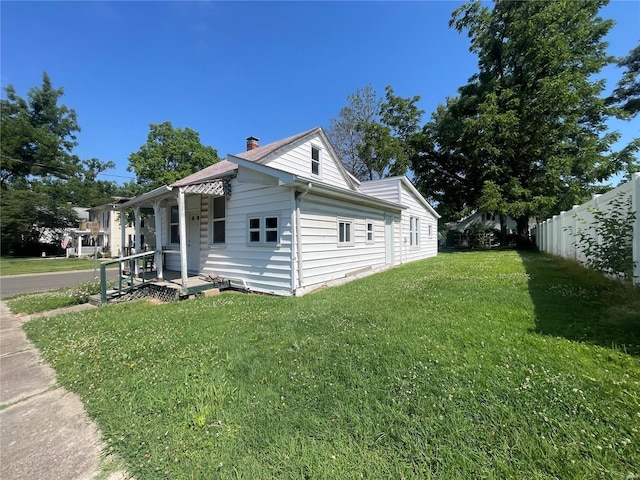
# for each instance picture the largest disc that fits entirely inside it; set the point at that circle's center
(252, 143)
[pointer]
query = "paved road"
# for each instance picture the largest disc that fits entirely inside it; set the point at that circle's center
(39, 282)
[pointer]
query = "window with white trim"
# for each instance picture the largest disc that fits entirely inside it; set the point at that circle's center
(414, 231)
(174, 224)
(218, 220)
(315, 161)
(263, 229)
(345, 232)
(370, 231)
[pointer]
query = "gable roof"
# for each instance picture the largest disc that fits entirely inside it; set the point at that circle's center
(262, 154)
(402, 179)
(259, 154)
(220, 169)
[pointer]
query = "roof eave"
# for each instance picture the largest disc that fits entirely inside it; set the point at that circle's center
(146, 197)
(341, 193)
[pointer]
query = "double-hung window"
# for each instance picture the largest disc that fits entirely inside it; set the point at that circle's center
(264, 229)
(414, 231)
(315, 161)
(370, 232)
(174, 224)
(218, 220)
(345, 232)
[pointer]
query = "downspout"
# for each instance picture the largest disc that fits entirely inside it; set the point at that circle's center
(299, 196)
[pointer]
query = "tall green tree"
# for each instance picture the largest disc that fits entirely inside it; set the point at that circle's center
(346, 132)
(38, 135)
(84, 188)
(627, 92)
(373, 135)
(527, 134)
(169, 155)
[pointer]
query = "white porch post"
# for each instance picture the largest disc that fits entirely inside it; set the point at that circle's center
(137, 241)
(158, 226)
(138, 238)
(182, 214)
(123, 228)
(80, 245)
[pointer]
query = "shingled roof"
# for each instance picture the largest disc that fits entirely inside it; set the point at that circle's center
(217, 170)
(260, 153)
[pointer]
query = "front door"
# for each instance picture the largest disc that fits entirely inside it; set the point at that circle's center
(193, 241)
(388, 239)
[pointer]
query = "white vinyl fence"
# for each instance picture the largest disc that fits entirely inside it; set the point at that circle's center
(558, 235)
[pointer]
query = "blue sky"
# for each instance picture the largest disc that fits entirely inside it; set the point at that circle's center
(233, 69)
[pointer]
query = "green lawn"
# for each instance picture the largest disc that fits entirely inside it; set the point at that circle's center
(468, 365)
(17, 266)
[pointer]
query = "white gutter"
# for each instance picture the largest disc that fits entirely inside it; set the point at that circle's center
(299, 237)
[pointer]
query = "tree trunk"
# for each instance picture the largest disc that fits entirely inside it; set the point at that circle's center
(522, 223)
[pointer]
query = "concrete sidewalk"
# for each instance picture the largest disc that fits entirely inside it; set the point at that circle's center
(44, 431)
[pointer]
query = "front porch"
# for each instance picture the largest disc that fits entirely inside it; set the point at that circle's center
(139, 278)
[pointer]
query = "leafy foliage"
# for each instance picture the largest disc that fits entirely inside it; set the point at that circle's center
(607, 243)
(345, 133)
(39, 175)
(527, 133)
(81, 293)
(628, 89)
(30, 218)
(38, 135)
(169, 155)
(374, 136)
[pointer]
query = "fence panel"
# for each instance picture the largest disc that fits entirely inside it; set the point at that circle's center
(559, 235)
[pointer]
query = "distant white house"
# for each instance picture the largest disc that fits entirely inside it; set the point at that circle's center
(109, 240)
(286, 218)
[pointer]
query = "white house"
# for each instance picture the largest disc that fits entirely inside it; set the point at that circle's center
(286, 218)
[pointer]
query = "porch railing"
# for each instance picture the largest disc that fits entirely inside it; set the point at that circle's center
(126, 281)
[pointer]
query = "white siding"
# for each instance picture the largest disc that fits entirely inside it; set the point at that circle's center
(394, 190)
(297, 160)
(385, 190)
(265, 268)
(428, 244)
(323, 259)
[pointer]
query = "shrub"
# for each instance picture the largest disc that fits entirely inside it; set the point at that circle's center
(82, 292)
(607, 244)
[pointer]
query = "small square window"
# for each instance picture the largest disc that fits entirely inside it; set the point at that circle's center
(370, 232)
(271, 222)
(263, 230)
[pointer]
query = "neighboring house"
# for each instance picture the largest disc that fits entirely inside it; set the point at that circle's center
(286, 218)
(110, 237)
(111, 240)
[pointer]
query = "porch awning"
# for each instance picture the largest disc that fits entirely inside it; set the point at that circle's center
(219, 187)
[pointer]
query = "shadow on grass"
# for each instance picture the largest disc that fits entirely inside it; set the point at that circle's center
(581, 305)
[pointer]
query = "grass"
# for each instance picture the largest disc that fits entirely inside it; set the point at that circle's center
(52, 300)
(469, 365)
(18, 266)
